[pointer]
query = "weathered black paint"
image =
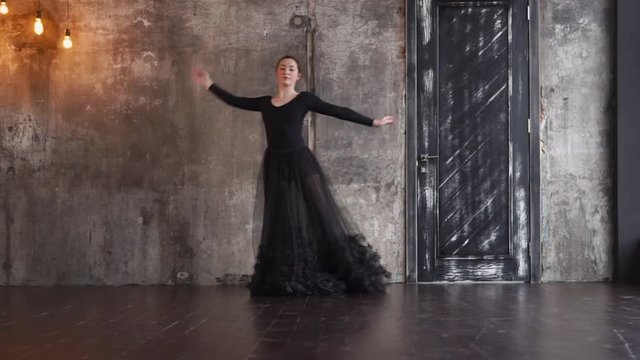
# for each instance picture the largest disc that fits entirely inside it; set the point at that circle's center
(473, 195)
(411, 197)
(425, 108)
(472, 130)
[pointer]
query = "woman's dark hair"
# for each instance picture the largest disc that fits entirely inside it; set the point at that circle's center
(288, 57)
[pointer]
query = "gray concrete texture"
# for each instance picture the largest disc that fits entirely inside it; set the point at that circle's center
(116, 169)
(576, 76)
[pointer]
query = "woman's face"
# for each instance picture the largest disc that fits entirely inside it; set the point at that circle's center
(287, 72)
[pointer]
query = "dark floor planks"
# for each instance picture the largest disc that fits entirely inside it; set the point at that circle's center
(444, 321)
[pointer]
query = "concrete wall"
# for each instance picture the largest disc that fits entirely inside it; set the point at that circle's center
(576, 75)
(115, 169)
(365, 68)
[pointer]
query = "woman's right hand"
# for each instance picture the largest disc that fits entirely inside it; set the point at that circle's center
(201, 77)
(384, 121)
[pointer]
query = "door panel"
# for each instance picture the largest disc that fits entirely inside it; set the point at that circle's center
(472, 109)
(473, 131)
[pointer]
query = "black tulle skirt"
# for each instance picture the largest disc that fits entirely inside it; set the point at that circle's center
(306, 246)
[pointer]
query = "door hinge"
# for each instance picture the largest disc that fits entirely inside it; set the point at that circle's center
(529, 125)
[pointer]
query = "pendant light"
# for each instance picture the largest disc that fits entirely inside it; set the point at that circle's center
(4, 9)
(67, 43)
(38, 27)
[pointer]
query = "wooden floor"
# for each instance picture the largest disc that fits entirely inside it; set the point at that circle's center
(454, 321)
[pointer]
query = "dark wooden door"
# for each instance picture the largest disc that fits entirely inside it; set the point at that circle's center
(473, 144)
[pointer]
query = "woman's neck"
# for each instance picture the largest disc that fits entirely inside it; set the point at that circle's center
(286, 92)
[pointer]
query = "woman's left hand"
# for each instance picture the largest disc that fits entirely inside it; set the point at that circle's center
(201, 77)
(384, 121)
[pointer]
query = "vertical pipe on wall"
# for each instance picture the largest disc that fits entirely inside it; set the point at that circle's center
(310, 77)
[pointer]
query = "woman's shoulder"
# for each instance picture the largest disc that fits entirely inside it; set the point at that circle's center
(308, 95)
(263, 99)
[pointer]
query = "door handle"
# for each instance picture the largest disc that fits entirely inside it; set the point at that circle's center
(422, 162)
(425, 157)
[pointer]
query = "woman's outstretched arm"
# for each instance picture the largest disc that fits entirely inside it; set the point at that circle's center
(202, 78)
(322, 107)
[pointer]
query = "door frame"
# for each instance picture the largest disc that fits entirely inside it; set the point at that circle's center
(411, 101)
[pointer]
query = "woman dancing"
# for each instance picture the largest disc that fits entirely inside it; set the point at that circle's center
(306, 247)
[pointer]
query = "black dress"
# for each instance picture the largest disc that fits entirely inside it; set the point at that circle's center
(306, 247)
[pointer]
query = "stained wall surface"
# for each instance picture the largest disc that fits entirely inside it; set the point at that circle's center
(116, 169)
(576, 76)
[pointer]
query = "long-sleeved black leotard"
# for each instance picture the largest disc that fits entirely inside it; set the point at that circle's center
(283, 124)
(306, 247)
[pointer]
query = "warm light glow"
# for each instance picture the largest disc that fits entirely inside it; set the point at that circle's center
(4, 9)
(67, 43)
(38, 27)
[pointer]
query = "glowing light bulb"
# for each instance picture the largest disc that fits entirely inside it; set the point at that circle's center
(67, 43)
(38, 27)
(4, 9)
